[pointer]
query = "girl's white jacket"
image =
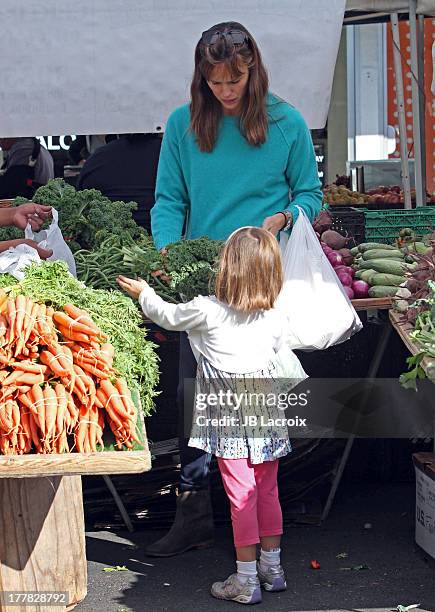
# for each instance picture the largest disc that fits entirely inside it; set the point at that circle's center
(231, 341)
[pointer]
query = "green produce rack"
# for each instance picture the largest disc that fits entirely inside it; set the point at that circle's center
(384, 225)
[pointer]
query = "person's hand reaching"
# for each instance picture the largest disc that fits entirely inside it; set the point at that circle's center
(131, 286)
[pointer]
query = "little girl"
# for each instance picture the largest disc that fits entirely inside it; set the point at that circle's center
(236, 336)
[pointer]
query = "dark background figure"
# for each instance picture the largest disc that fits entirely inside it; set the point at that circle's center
(27, 166)
(125, 169)
(84, 145)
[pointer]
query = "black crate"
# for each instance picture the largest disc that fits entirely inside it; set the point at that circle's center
(349, 222)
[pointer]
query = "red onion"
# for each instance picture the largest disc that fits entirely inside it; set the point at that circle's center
(345, 279)
(360, 288)
(335, 259)
(349, 292)
(326, 249)
(347, 269)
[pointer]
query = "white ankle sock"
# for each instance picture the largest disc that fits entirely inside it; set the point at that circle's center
(269, 558)
(245, 569)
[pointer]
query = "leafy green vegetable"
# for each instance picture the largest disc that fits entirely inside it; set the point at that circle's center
(112, 311)
(186, 270)
(424, 336)
(87, 218)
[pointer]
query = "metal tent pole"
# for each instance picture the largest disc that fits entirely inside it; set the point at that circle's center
(401, 109)
(420, 51)
(420, 194)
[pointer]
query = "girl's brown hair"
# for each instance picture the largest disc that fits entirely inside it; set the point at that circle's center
(206, 110)
(250, 274)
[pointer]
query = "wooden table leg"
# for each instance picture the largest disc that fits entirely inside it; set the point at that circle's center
(42, 538)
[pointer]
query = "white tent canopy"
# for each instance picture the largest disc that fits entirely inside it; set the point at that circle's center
(424, 7)
(111, 67)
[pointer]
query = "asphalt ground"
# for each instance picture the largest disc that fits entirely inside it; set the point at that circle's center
(369, 525)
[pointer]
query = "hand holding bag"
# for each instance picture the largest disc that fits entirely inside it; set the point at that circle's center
(52, 239)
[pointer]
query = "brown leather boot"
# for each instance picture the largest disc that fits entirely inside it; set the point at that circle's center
(192, 528)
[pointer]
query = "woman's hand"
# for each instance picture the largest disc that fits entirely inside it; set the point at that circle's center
(131, 286)
(35, 214)
(275, 223)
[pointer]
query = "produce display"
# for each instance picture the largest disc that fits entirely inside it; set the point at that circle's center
(183, 271)
(86, 218)
(336, 248)
(55, 374)
(386, 268)
(422, 312)
(340, 195)
(114, 313)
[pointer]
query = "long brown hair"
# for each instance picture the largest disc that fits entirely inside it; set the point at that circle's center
(206, 110)
(250, 274)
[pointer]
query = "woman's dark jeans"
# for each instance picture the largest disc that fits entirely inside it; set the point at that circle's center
(195, 463)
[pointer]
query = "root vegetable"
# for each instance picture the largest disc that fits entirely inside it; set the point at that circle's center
(347, 256)
(360, 289)
(349, 292)
(326, 249)
(345, 279)
(334, 240)
(335, 259)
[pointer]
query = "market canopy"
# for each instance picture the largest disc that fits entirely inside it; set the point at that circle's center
(424, 7)
(112, 67)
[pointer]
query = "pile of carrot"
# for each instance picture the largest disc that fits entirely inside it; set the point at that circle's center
(58, 387)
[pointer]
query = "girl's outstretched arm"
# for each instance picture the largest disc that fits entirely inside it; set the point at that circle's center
(176, 317)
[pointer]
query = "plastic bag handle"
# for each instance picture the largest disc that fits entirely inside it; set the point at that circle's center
(29, 233)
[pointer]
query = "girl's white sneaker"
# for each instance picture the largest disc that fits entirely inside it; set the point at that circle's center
(232, 589)
(272, 579)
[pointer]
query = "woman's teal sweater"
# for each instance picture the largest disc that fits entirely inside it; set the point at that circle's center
(236, 184)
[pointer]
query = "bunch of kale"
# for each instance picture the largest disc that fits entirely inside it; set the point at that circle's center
(87, 218)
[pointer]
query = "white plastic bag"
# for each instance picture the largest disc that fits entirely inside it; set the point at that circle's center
(52, 239)
(15, 260)
(319, 311)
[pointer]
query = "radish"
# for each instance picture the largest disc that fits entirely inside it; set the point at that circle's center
(349, 292)
(345, 279)
(360, 288)
(334, 258)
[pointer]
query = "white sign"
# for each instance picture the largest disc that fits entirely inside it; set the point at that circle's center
(425, 512)
(116, 66)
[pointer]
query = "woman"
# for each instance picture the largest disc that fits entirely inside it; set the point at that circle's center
(228, 159)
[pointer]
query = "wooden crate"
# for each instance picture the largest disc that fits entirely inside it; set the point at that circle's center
(106, 461)
(369, 303)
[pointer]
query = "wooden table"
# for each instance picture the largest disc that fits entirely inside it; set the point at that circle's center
(42, 529)
(372, 303)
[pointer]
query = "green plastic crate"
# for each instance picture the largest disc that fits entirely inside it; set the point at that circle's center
(384, 225)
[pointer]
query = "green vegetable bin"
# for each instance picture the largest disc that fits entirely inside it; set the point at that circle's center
(384, 225)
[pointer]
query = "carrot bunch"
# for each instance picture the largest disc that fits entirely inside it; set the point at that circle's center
(56, 389)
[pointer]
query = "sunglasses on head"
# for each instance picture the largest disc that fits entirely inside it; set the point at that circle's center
(237, 37)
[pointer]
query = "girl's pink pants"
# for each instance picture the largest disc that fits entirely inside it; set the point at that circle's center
(253, 494)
